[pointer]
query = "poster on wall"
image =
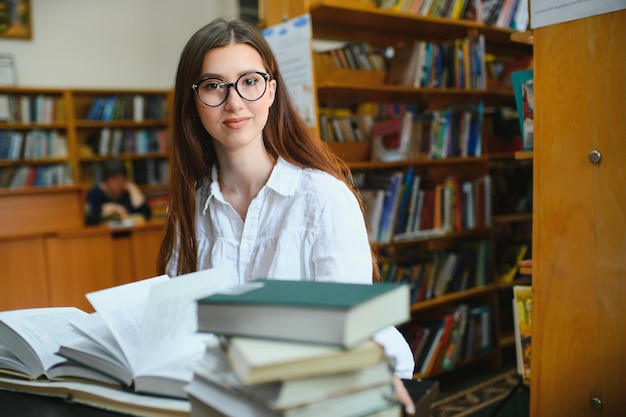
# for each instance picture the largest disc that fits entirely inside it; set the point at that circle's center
(551, 12)
(15, 19)
(291, 43)
(7, 70)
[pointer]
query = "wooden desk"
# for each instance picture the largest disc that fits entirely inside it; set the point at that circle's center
(59, 268)
(92, 258)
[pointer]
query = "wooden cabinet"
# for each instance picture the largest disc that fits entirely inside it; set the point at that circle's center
(579, 230)
(363, 21)
(23, 281)
(51, 259)
(77, 263)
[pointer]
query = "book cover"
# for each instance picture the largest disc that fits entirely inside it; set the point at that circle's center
(294, 310)
(391, 137)
(524, 101)
(261, 360)
(522, 312)
(508, 264)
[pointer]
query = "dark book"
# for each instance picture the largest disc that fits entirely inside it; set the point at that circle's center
(403, 66)
(332, 313)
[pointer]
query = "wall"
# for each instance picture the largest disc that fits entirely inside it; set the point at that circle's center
(109, 44)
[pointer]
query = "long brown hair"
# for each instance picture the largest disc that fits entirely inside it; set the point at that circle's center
(192, 154)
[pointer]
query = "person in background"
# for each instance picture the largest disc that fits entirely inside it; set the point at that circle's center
(115, 197)
(252, 188)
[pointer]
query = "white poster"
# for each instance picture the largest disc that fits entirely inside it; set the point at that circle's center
(550, 12)
(291, 43)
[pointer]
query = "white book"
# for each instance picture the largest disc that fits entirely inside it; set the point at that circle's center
(138, 108)
(29, 339)
(373, 201)
(145, 333)
(105, 141)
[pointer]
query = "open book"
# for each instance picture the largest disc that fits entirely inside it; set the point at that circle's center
(143, 334)
(29, 339)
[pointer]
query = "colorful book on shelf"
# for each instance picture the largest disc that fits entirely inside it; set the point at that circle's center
(390, 206)
(391, 136)
(508, 264)
(524, 101)
(293, 310)
(522, 312)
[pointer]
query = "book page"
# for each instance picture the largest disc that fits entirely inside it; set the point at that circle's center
(122, 308)
(170, 327)
(42, 330)
(94, 328)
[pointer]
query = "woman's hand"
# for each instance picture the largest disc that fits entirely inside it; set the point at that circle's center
(403, 396)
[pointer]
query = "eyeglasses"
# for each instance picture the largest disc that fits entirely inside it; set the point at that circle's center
(213, 91)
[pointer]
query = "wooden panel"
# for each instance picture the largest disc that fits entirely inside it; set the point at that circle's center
(23, 281)
(579, 230)
(123, 262)
(78, 264)
(41, 210)
(146, 242)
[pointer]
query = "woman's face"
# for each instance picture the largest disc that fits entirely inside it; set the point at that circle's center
(235, 123)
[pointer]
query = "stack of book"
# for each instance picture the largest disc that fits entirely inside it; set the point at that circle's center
(297, 348)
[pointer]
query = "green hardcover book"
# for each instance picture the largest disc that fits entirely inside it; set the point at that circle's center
(306, 311)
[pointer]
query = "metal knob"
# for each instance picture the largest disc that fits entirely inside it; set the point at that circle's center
(595, 157)
(596, 403)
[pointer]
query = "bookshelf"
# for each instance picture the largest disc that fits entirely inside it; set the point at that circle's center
(579, 224)
(408, 257)
(63, 132)
(55, 137)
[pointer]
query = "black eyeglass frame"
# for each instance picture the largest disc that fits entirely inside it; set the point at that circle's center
(194, 86)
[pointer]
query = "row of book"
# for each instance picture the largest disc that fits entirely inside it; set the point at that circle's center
(403, 205)
(441, 339)
(456, 64)
(38, 108)
(451, 9)
(149, 171)
(137, 107)
(512, 14)
(34, 144)
(257, 351)
(348, 55)
(35, 176)
(135, 141)
(438, 273)
(401, 132)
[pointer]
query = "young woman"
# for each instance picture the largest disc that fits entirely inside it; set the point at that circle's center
(251, 187)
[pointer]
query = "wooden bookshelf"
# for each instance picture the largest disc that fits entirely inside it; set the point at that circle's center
(363, 21)
(37, 119)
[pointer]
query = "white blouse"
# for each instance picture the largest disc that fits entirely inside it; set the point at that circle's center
(304, 224)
